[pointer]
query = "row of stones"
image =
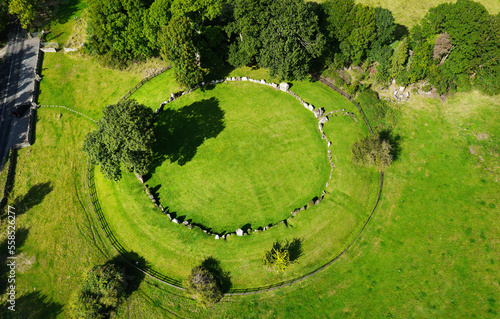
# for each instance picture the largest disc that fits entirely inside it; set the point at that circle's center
(71, 110)
(285, 87)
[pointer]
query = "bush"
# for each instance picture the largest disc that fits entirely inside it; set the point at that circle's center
(426, 88)
(278, 257)
(372, 151)
(100, 293)
(203, 287)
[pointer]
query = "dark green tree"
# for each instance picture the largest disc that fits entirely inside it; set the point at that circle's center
(178, 46)
(283, 36)
(4, 15)
(290, 40)
(116, 30)
(155, 18)
(99, 294)
(124, 136)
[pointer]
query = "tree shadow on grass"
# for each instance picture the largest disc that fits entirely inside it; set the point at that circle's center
(32, 305)
(35, 196)
(394, 140)
(222, 277)
(179, 133)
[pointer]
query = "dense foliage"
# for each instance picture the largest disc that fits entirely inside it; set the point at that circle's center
(278, 257)
(99, 294)
(372, 151)
(203, 287)
(282, 36)
(455, 46)
(124, 136)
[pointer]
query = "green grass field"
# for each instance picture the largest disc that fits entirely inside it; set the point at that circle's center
(430, 251)
(225, 187)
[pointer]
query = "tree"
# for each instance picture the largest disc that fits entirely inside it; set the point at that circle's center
(283, 36)
(202, 286)
(372, 151)
(25, 10)
(290, 40)
(116, 30)
(155, 18)
(124, 136)
(99, 294)
(4, 15)
(398, 61)
(177, 46)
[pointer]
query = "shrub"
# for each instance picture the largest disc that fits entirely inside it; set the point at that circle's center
(203, 287)
(426, 88)
(372, 151)
(100, 293)
(278, 257)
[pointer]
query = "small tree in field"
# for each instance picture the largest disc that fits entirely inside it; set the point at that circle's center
(100, 293)
(203, 287)
(278, 257)
(372, 151)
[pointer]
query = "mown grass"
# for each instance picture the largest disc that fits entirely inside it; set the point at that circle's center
(325, 229)
(431, 249)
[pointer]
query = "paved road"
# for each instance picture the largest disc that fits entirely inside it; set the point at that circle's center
(17, 76)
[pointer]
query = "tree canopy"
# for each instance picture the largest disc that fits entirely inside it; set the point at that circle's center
(124, 136)
(203, 287)
(99, 294)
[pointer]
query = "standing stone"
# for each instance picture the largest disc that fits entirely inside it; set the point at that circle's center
(274, 85)
(139, 177)
(323, 120)
(175, 221)
(239, 232)
(318, 112)
(308, 106)
(244, 78)
(284, 86)
(216, 236)
(262, 81)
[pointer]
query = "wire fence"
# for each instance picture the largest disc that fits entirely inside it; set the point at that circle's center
(143, 81)
(114, 242)
(178, 284)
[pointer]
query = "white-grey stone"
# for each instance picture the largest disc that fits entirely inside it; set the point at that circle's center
(318, 112)
(274, 85)
(262, 81)
(284, 86)
(308, 106)
(244, 78)
(233, 79)
(401, 88)
(175, 221)
(216, 236)
(228, 79)
(323, 120)
(239, 232)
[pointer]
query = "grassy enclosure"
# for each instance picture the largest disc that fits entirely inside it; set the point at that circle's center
(266, 159)
(430, 250)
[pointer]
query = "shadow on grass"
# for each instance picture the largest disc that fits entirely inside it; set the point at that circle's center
(32, 305)
(35, 196)
(133, 276)
(222, 277)
(394, 140)
(179, 133)
(293, 247)
(6, 265)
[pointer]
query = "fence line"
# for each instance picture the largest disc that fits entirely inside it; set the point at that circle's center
(143, 81)
(71, 110)
(329, 83)
(176, 283)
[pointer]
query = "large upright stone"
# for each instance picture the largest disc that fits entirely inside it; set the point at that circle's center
(318, 112)
(308, 106)
(284, 86)
(239, 232)
(244, 78)
(323, 120)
